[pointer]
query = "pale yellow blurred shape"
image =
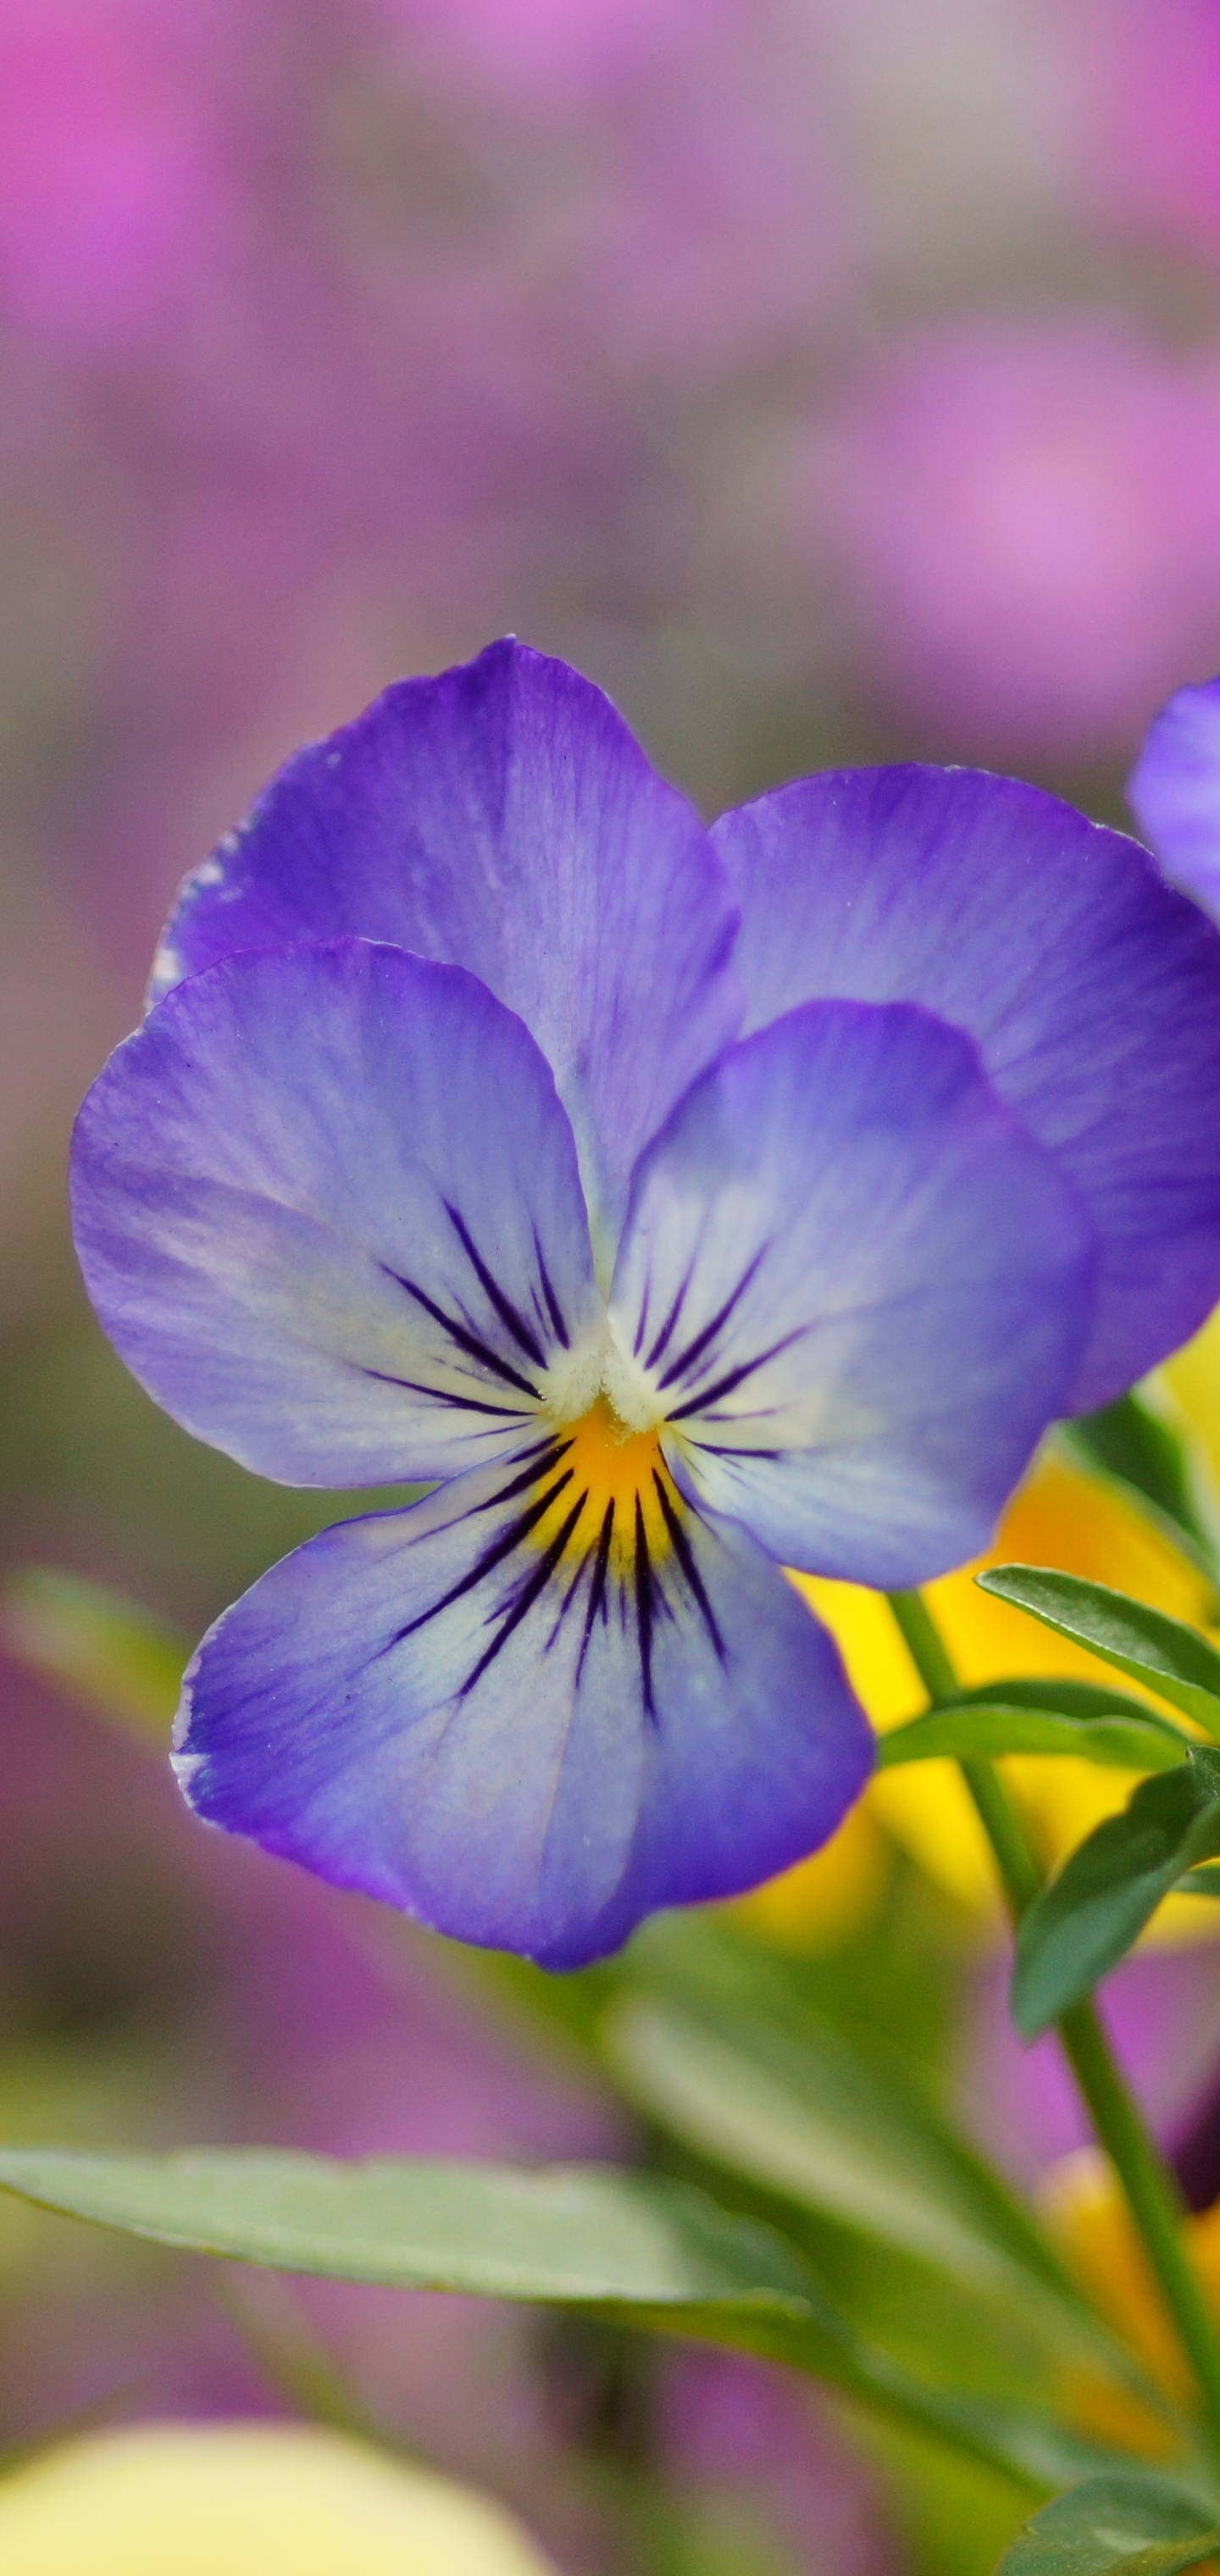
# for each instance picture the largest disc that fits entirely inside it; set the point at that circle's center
(247, 2500)
(1092, 2226)
(1090, 2221)
(1060, 1517)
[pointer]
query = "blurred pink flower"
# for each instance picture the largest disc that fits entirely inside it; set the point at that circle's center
(320, 422)
(737, 2432)
(550, 50)
(718, 231)
(111, 187)
(1028, 516)
(1146, 101)
(1162, 2011)
(678, 200)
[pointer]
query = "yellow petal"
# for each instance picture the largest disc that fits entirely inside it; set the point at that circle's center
(247, 2500)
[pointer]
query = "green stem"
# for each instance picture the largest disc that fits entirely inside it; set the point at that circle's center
(1148, 2182)
(925, 1645)
(1015, 1856)
(294, 2360)
(1152, 2195)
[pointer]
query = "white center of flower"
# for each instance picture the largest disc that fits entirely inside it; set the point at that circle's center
(598, 1366)
(629, 1391)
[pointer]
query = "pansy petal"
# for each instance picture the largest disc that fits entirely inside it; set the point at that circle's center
(1174, 791)
(1092, 990)
(482, 1713)
(328, 1210)
(857, 1287)
(501, 818)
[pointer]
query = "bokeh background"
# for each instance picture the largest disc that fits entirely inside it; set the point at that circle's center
(832, 380)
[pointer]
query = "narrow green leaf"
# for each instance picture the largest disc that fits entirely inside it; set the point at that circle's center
(108, 1651)
(636, 2246)
(1154, 1463)
(1167, 1657)
(1131, 2521)
(989, 1728)
(839, 2127)
(1204, 1881)
(574, 2234)
(1086, 1920)
(1064, 1697)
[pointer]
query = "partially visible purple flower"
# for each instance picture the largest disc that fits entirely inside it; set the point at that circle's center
(441, 1156)
(1174, 791)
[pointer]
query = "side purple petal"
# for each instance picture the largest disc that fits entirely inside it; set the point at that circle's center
(501, 818)
(857, 1288)
(472, 1720)
(327, 1208)
(1174, 792)
(1091, 989)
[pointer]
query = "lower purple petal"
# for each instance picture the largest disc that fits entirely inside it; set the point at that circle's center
(525, 1746)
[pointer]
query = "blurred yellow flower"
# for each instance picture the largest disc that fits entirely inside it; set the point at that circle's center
(1060, 1517)
(1087, 2214)
(1193, 1379)
(247, 2500)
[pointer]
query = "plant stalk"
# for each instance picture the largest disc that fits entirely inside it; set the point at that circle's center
(1148, 2183)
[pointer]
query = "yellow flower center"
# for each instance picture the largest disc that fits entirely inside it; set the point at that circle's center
(622, 1486)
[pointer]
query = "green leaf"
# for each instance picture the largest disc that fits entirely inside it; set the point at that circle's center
(582, 2234)
(1154, 1463)
(633, 2246)
(1167, 1657)
(971, 1728)
(1086, 1920)
(1131, 2520)
(109, 1651)
(1065, 1698)
(1204, 1881)
(839, 2127)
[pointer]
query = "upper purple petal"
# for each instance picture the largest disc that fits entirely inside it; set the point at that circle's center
(1174, 791)
(327, 1208)
(500, 818)
(857, 1287)
(1091, 989)
(468, 1710)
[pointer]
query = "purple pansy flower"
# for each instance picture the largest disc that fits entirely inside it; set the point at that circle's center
(1175, 791)
(471, 1140)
